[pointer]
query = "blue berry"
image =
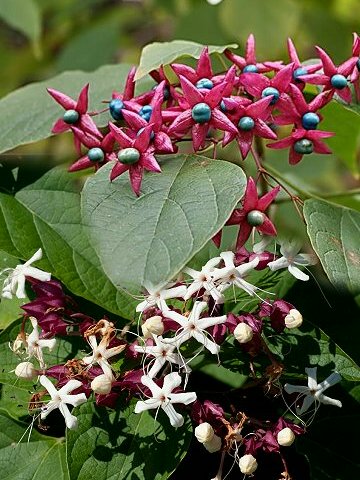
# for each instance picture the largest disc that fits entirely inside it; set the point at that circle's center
(358, 64)
(310, 121)
(250, 69)
(255, 218)
(201, 113)
(129, 156)
(338, 81)
(115, 106)
(223, 106)
(299, 72)
(71, 116)
(271, 91)
(246, 124)
(152, 134)
(145, 112)
(96, 155)
(204, 83)
(304, 146)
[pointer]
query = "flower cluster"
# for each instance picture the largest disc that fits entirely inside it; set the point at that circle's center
(250, 100)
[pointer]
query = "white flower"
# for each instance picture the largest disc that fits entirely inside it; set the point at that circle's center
(15, 282)
(232, 275)
(243, 333)
(285, 437)
(290, 258)
(214, 2)
(153, 325)
(158, 297)
(26, 370)
(203, 280)
(293, 319)
(162, 397)
(162, 353)
(101, 353)
(204, 432)
(102, 384)
(194, 326)
(35, 344)
(314, 391)
(60, 398)
(213, 445)
(248, 464)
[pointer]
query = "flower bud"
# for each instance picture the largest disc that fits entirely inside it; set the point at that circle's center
(102, 384)
(248, 464)
(26, 370)
(204, 432)
(213, 445)
(153, 325)
(285, 437)
(243, 333)
(293, 319)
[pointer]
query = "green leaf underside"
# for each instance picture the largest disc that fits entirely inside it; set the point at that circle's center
(178, 211)
(47, 214)
(163, 53)
(41, 457)
(122, 445)
(28, 114)
(334, 234)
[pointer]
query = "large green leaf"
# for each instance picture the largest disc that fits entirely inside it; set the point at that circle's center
(47, 214)
(40, 457)
(147, 240)
(334, 234)
(27, 115)
(122, 445)
(163, 53)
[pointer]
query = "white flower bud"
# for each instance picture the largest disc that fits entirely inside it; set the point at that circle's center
(213, 445)
(248, 464)
(204, 432)
(26, 370)
(153, 325)
(286, 437)
(243, 333)
(293, 319)
(102, 384)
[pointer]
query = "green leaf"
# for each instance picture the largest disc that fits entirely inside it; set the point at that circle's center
(334, 235)
(122, 445)
(239, 18)
(163, 53)
(41, 457)
(23, 15)
(28, 114)
(147, 240)
(47, 214)
(346, 125)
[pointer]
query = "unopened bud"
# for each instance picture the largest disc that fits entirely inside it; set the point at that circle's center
(293, 319)
(26, 370)
(286, 437)
(102, 384)
(213, 445)
(153, 325)
(204, 432)
(248, 464)
(243, 333)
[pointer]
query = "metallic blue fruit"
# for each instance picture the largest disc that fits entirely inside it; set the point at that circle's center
(129, 156)
(204, 83)
(246, 123)
(299, 72)
(271, 91)
(152, 134)
(71, 116)
(201, 113)
(250, 69)
(310, 121)
(96, 155)
(115, 106)
(223, 106)
(338, 81)
(145, 112)
(304, 146)
(255, 218)
(358, 64)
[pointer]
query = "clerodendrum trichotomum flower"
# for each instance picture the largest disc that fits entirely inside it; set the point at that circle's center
(291, 258)
(164, 398)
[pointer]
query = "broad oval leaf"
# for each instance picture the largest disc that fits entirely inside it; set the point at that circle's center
(28, 114)
(163, 53)
(147, 240)
(334, 234)
(122, 445)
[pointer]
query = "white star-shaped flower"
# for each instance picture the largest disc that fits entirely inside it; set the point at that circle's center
(14, 284)
(157, 297)
(314, 392)
(100, 354)
(203, 279)
(35, 344)
(60, 398)
(194, 326)
(164, 398)
(162, 353)
(290, 258)
(232, 275)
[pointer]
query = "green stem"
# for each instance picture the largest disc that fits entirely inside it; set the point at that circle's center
(278, 175)
(346, 193)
